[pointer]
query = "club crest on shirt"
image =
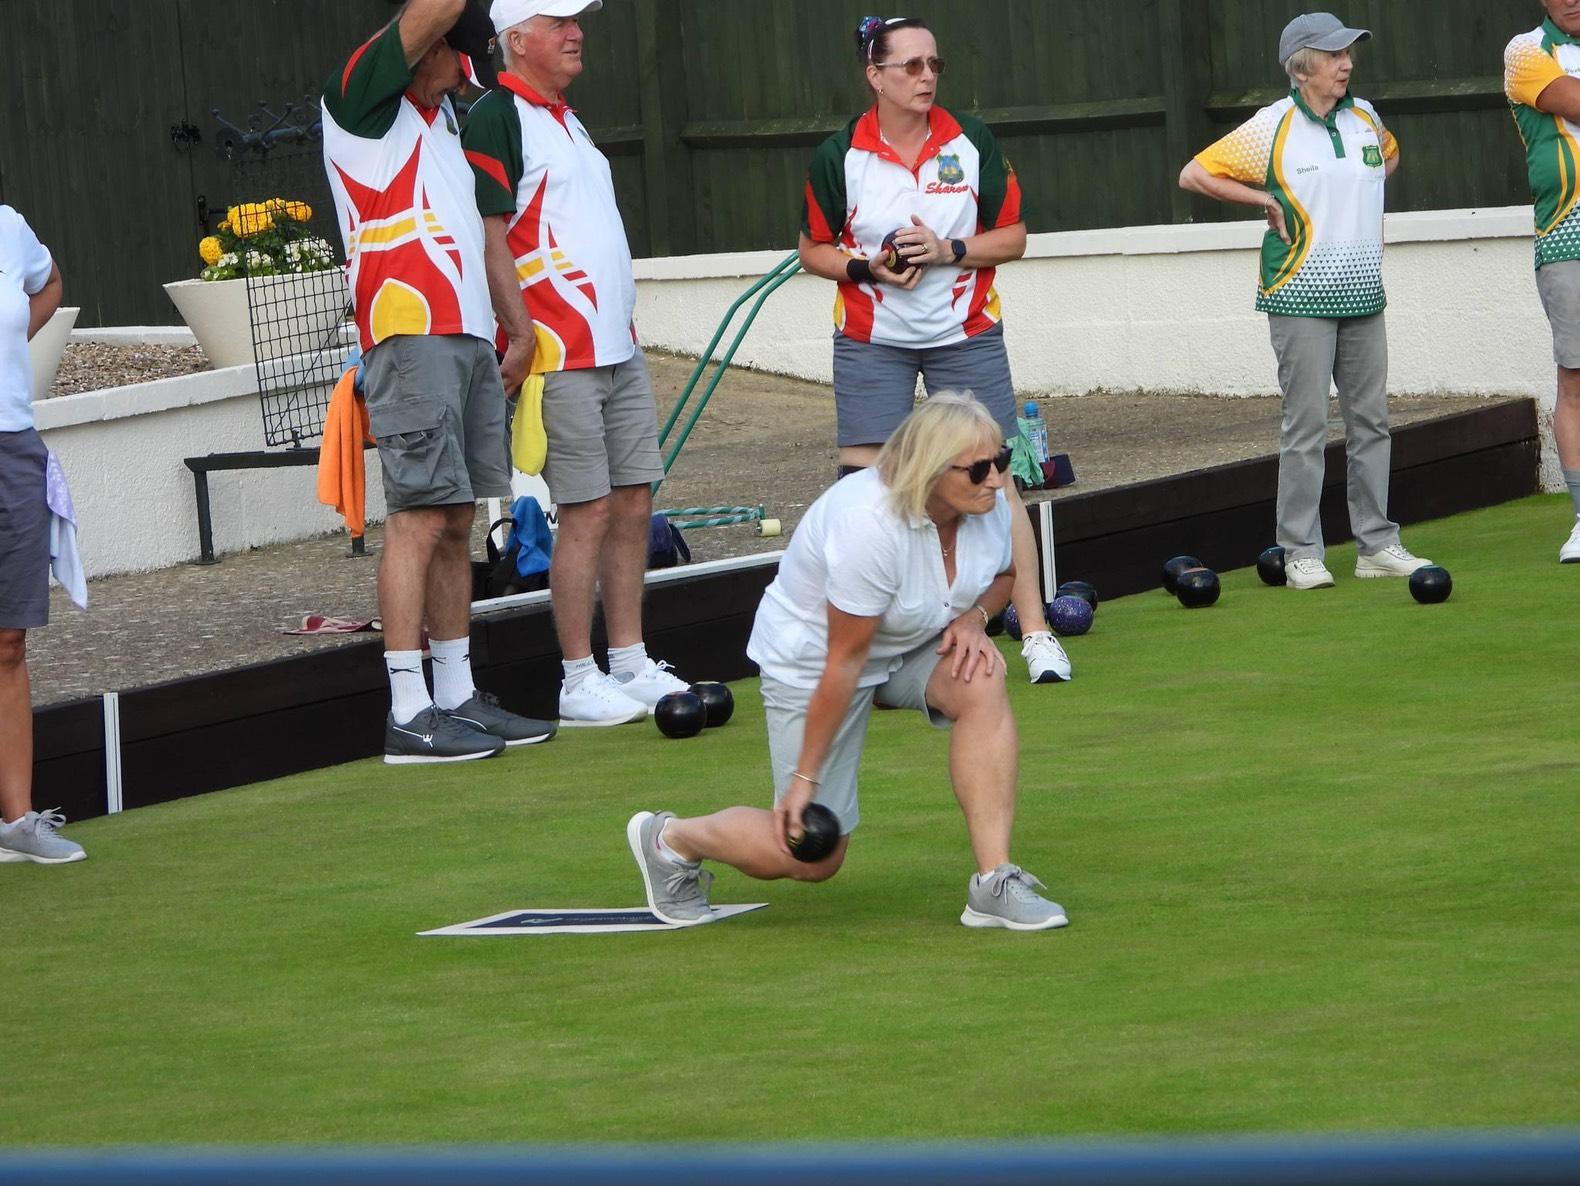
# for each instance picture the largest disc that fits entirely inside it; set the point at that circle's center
(1371, 156)
(949, 170)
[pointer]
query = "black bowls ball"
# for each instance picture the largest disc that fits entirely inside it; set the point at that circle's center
(819, 835)
(1197, 588)
(1080, 589)
(680, 714)
(1270, 566)
(1012, 623)
(1173, 568)
(717, 699)
(1431, 584)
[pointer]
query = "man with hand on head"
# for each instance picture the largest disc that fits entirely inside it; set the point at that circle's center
(1538, 77)
(559, 269)
(414, 242)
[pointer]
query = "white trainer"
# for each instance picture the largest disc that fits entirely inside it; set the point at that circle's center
(1308, 573)
(651, 684)
(1046, 661)
(1393, 561)
(598, 701)
(1570, 552)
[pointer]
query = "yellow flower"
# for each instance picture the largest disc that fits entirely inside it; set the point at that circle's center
(251, 218)
(275, 205)
(209, 249)
(300, 211)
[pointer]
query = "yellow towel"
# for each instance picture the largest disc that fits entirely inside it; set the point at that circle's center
(529, 444)
(342, 470)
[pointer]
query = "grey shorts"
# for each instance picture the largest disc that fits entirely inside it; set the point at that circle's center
(437, 409)
(786, 709)
(1559, 284)
(24, 532)
(875, 385)
(602, 425)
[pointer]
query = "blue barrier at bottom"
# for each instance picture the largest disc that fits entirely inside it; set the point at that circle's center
(1537, 1159)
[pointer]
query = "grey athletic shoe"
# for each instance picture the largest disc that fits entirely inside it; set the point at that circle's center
(434, 736)
(1007, 897)
(677, 891)
(34, 838)
(484, 713)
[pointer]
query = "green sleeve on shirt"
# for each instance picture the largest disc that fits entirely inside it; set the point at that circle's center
(492, 140)
(364, 95)
(998, 184)
(823, 207)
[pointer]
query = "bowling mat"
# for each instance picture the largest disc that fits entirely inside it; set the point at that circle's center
(581, 922)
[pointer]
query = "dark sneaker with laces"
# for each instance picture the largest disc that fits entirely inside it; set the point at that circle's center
(677, 891)
(34, 838)
(434, 736)
(484, 713)
(1008, 897)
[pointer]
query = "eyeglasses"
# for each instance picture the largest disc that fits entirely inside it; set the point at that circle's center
(977, 471)
(913, 66)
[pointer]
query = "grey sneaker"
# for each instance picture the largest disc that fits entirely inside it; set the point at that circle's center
(34, 838)
(484, 713)
(1007, 897)
(434, 736)
(677, 891)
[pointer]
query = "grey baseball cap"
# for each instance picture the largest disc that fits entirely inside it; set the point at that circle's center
(1317, 30)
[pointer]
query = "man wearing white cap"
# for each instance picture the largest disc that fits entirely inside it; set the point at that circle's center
(559, 270)
(1539, 71)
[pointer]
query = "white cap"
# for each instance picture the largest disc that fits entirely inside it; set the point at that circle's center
(507, 14)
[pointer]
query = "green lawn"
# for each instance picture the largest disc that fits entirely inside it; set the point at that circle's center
(1319, 852)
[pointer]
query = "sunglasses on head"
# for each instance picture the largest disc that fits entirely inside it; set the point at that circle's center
(913, 66)
(976, 473)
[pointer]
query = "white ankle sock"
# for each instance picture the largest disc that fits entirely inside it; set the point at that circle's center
(668, 853)
(452, 672)
(408, 690)
(631, 660)
(578, 672)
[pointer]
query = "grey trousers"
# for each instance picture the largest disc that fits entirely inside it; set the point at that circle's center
(1352, 354)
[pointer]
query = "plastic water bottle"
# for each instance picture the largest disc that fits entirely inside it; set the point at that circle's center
(1037, 433)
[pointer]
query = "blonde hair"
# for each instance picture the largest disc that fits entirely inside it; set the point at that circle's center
(926, 444)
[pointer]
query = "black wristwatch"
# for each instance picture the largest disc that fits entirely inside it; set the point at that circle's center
(959, 246)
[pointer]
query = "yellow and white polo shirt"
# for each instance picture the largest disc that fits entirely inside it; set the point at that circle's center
(1328, 175)
(403, 195)
(1552, 151)
(533, 161)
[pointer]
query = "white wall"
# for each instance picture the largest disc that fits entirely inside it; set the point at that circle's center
(122, 450)
(1170, 308)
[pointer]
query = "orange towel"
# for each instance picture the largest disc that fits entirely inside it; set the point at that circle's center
(342, 470)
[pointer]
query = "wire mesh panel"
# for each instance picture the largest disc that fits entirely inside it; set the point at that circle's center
(288, 251)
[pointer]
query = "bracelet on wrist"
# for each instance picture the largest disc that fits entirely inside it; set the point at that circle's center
(860, 271)
(986, 617)
(805, 778)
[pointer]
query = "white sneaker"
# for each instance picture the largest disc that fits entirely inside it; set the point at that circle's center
(1570, 552)
(1393, 561)
(1045, 658)
(1308, 573)
(596, 702)
(650, 685)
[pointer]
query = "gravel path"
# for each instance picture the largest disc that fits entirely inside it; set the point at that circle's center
(764, 439)
(90, 366)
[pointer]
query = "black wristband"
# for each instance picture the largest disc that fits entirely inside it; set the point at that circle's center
(860, 271)
(959, 247)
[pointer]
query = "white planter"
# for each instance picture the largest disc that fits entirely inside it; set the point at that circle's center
(46, 348)
(299, 314)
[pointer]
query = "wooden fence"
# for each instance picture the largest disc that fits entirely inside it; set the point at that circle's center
(709, 109)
